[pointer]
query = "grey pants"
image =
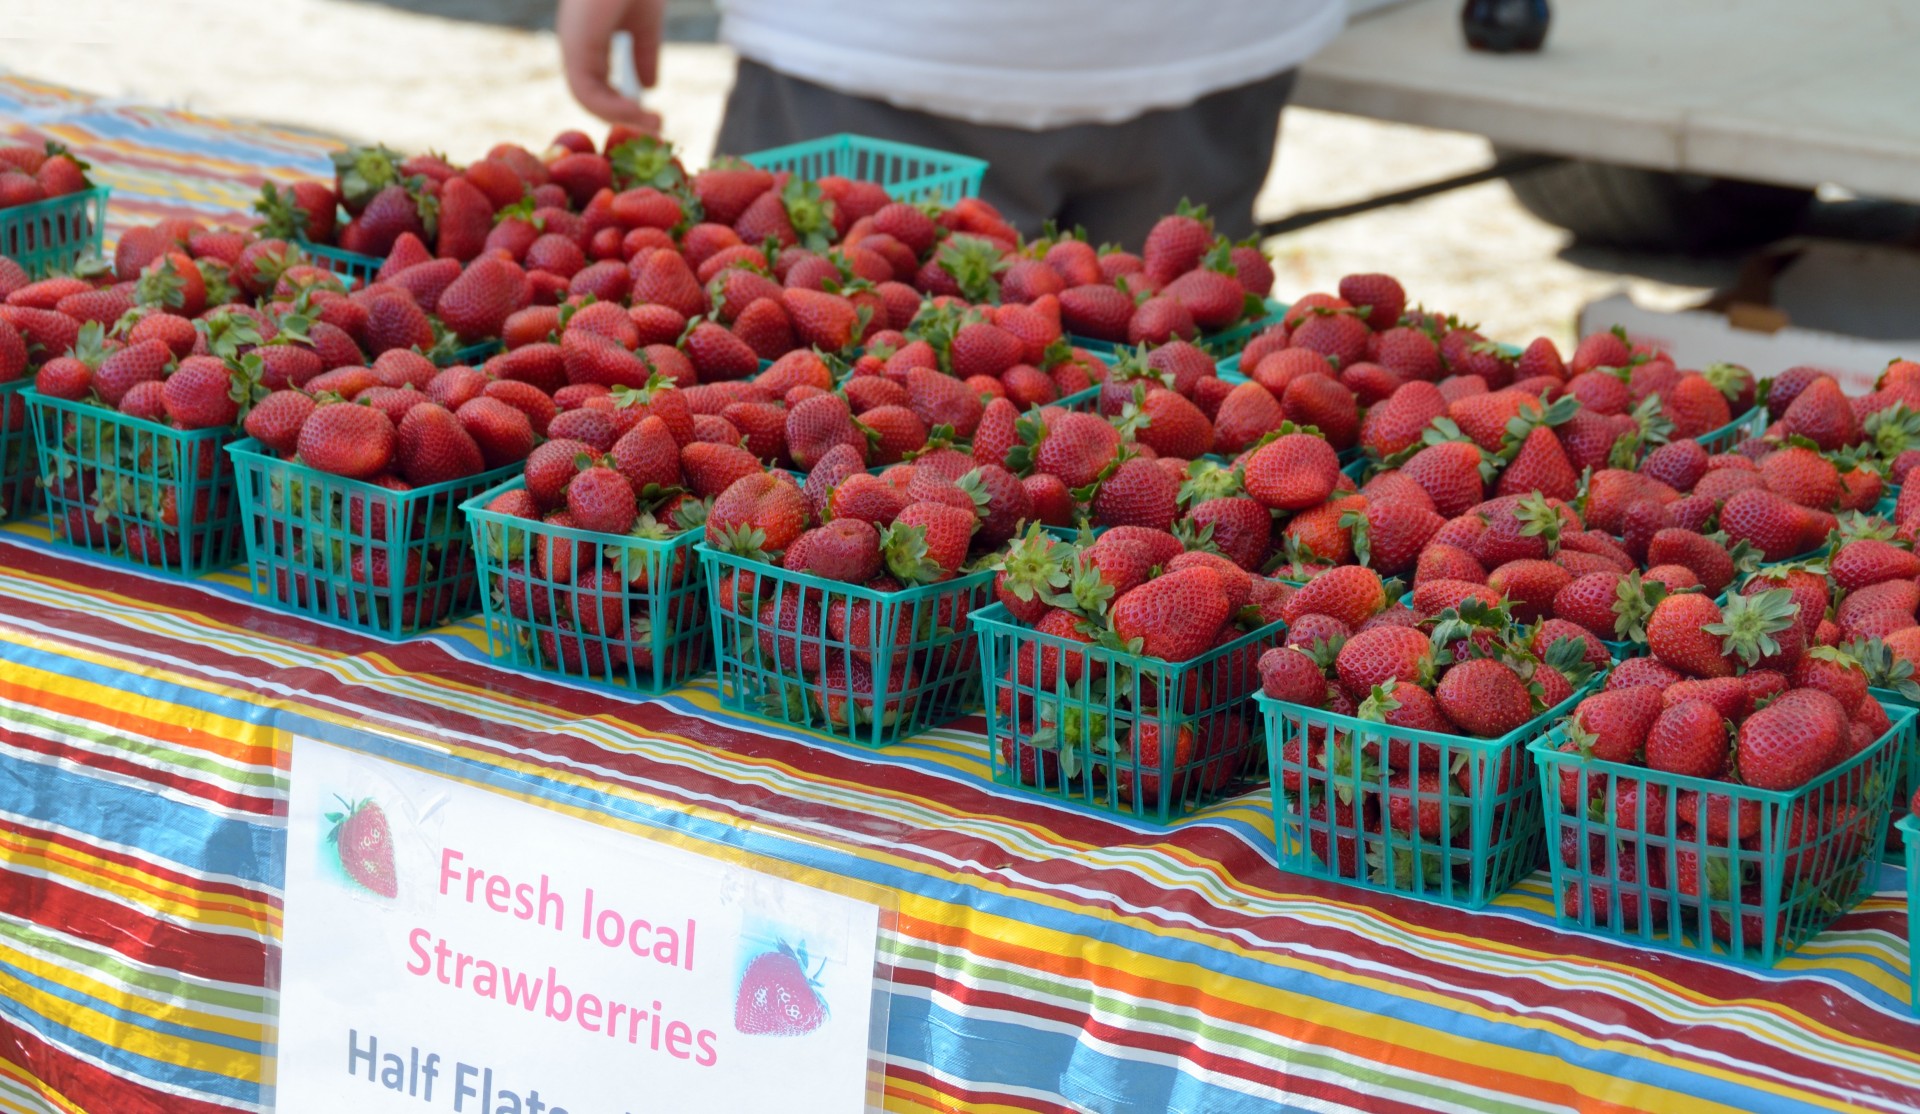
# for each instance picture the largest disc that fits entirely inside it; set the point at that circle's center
(1114, 179)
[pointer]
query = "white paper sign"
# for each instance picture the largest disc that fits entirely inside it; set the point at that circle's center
(452, 949)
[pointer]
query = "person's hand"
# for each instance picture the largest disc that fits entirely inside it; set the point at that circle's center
(586, 29)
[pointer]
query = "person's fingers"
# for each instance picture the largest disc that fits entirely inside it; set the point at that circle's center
(644, 22)
(585, 28)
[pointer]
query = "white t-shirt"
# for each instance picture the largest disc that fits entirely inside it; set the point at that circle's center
(1031, 63)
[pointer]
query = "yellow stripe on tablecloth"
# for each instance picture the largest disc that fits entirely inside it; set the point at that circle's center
(129, 1037)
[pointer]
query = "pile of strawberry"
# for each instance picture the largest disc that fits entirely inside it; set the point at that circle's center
(1748, 694)
(608, 607)
(1471, 671)
(1139, 592)
(29, 174)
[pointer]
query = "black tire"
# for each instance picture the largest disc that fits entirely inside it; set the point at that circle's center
(1626, 206)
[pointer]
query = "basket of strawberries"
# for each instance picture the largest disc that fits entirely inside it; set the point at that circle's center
(128, 427)
(843, 607)
(1727, 794)
(351, 509)
(1118, 669)
(1398, 753)
(51, 213)
(588, 565)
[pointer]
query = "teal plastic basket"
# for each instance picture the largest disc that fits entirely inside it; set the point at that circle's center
(907, 172)
(19, 466)
(548, 610)
(1909, 826)
(902, 662)
(389, 562)
(1723, 440)
(129, 489)
(356, 269)
(473, 355)
(1338, 789)
(1750, 900)
(54, 234)
(1066, 719)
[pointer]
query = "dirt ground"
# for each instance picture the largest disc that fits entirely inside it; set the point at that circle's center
(400, 73)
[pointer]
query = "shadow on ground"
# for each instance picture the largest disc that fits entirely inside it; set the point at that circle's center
(692, 21)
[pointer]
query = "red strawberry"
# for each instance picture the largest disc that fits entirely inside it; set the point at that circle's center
(357, 442)
(927, 542)
(1689, 738)
(1616, 723)
(1097, 311)
(1485, 697)
(1292, 472)
(1791, 741)
(1176, 243)
(1248, 413)
(1176, 617)
(778, 997)
(364, 843)
(431, 447)
(820, 320)
(1379, 299)
(845, 549)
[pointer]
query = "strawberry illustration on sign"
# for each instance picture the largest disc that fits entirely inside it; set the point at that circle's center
(365, 845)
(777, 997)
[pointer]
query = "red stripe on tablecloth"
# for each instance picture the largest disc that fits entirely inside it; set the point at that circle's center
(203, 889)
(88, 1087)
(153, 775)
(106, 923)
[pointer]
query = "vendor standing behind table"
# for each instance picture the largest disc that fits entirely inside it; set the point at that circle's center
(1101, 113)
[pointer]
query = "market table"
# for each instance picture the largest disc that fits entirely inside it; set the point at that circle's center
(1045, 958)
(1765, 90)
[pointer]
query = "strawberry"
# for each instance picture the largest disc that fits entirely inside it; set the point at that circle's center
(1451, 475)
(1855, 565)
(1682, 632)
(1484, 697)
(1708, 559)
(1175, 617)
(758, 514)
(1541, 465)
(1335, 334)
(1689, 738)
(1241, 528)
(144, 362)
(726, 189)
(502, 432)
(1176, 243)
(432, 447)
(363, 841)
(711, 469)
(1350, 593)
(662, 277)
(1248, 413)
(1605, 349)
(1821, 414)
(1531, 585)
(845, 549)
(357, 442)
(1138, 493)
(824, 321)
(1767, 522)
(939, 399)
(1791, 741)
(1213, 300)
(1150, 756)
(1098, 311)
(1291, 675)
(1378, 299)
(1292, 472)
(1375, 657)
(1834, 672)
(927, 542)
(1614, 725)
(777, 995)
(819, 423)
(1160, 319)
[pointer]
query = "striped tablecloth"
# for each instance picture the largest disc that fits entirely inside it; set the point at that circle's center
(160, 162)
(1045, 958)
